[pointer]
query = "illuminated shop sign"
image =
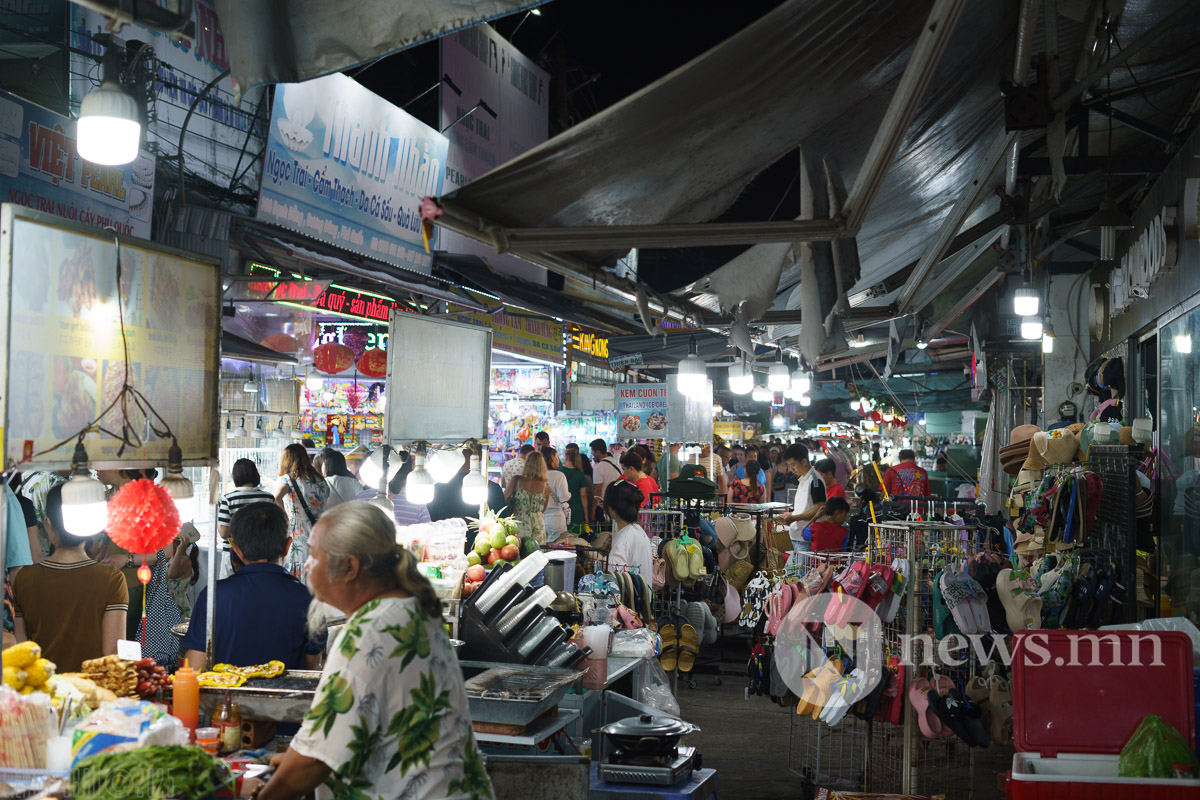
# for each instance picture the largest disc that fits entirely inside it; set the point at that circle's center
(590, 344)
(377, 335)
(330, 298)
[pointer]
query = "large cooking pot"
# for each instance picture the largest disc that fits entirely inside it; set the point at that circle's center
(647, 735)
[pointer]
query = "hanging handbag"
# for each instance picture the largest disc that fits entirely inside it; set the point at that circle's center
(312, 520)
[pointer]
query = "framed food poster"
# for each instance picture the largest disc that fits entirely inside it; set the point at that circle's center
(642, 410)
(67, 303)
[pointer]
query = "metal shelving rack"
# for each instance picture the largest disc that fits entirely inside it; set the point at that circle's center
(900, 758)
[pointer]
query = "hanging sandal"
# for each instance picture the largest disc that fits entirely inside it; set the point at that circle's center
(670, 647)
(845, 694)
(1001, 707)
(918, 696)
(826, 677)
(689, 648)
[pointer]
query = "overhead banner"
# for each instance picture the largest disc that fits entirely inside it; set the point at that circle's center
(66, 362)
(347, 167)
(487, 69)
(642, 410)
(217, 145)
(519, 333)
(40, 168)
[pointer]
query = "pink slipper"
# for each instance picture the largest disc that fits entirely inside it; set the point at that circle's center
(850, 584)
(778, 605)
(918, 696)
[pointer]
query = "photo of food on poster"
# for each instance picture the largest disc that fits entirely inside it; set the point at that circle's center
(642, 410)
(68, 363)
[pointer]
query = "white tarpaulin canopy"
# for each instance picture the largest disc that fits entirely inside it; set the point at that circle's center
(288, 41)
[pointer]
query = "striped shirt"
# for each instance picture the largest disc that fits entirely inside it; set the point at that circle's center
(241, 496)
(406, 513)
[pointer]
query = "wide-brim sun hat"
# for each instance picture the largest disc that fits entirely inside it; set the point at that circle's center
(727, 533)
(746, 532)
(1022, 433)
(1056, 447)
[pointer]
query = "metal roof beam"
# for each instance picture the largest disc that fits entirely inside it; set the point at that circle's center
(1133, 123)
(927, 52)
(991, 161)
(1183, 14)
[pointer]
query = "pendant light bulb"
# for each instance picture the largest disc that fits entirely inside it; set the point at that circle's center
(761, 394)
(802, 381)
(1025, 301)
(475, 485)
(1031, 328)
(178, 486)
(314, 382)
(806, 400)
(741, 377)
(1047, 338)
(84, 504)
(418, 489)
(779, 377)
(108, 130)
(692, 377)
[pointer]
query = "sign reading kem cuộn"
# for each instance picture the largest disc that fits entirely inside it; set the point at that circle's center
(642, 410)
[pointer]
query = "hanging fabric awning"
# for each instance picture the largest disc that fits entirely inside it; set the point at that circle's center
(286, 41)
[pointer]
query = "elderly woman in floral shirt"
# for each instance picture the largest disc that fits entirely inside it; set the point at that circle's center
(389, 719)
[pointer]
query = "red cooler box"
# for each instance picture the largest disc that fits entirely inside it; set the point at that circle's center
(1077, 698)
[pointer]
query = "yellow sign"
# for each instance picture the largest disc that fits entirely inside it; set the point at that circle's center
(518, 332)
(728, 431)
(590, 345)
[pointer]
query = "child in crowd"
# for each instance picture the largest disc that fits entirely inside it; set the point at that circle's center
(830, 532)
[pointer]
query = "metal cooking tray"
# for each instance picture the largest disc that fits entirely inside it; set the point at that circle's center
(283, 699)
(517, 694)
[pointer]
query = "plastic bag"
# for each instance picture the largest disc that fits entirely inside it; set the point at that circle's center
(656, 689)
(1181, 624)
(634, 643)
(1153, 751)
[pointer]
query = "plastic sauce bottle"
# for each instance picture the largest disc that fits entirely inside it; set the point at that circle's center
(186, 703)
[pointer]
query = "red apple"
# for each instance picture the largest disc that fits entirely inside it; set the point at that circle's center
(493, 556)
(476, 573)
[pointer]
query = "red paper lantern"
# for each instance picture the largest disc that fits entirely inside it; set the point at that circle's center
(142, 517)
(332, 357)
(282, 343)
(373, 363)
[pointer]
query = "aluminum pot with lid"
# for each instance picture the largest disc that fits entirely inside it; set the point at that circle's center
(647, 734)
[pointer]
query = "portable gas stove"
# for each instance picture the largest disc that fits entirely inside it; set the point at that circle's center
(666, 770)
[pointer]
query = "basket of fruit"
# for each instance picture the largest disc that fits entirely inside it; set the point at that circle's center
(498, 540)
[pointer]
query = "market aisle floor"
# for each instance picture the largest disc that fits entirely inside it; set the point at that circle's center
(747, 742)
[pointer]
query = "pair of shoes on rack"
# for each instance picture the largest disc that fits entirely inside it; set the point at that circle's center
(993, 695)
(943, 712)
(680, 645)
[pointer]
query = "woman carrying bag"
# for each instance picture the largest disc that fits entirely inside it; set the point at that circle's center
(303, 495)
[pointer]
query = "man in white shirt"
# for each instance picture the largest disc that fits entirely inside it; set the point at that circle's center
(604, 472)
(810, 495)
(513, 469)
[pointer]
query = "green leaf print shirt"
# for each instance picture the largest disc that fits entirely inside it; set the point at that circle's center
(390, 714)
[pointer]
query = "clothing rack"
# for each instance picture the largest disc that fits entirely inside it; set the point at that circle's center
(1115, 533)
